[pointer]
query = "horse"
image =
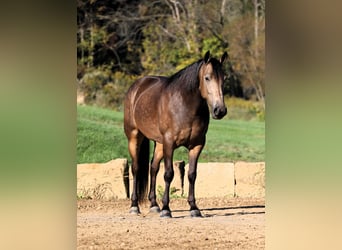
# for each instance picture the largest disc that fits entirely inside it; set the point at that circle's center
(171, 111)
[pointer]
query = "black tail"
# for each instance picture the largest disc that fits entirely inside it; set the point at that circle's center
(142, 174)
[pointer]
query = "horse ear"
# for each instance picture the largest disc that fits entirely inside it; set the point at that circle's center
(224, 57)
(207, 57)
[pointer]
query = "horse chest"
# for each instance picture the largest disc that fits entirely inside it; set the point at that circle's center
(186, 123)
(191, 134)
(182, 137)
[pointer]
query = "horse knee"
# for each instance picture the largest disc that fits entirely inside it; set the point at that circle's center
(168, 175)
(154, 170)
(192, 177)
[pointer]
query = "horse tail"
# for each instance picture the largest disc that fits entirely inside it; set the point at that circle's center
(143, 170)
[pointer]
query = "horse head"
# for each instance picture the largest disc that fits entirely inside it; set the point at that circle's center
(211, 78)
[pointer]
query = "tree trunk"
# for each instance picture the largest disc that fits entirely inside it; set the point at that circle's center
(256, 27)
(222, 12)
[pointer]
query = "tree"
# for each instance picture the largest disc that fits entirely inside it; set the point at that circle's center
(245, 34)
(171, 42)
(109, 33)
(129, 38)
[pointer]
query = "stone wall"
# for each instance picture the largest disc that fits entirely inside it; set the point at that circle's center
(113, 180)
(107, 181)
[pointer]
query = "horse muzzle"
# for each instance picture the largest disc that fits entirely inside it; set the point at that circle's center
(219, 112)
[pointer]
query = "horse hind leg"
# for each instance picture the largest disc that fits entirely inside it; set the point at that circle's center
(157, 156)
(133, 150)
(134, 146)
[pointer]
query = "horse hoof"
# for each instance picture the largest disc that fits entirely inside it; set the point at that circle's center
(195, 213)
(155, 209)
(134, 210)
(165, 214)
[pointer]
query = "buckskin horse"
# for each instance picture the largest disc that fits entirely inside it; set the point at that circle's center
(171, 111)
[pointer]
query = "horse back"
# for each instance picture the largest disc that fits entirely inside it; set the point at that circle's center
(141, 106)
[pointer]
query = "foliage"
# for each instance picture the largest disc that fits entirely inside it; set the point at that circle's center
(214, 45)
(244, 110)
(247, 54)
(105, 88)
(173, 193)
(107, 34)
(120, 40)
(100, 138)
(170, 41)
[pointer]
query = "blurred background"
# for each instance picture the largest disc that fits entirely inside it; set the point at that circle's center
(118, 41)
(42, 66)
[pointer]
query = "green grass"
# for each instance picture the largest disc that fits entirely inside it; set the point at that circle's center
(100, 138)
(100, 135)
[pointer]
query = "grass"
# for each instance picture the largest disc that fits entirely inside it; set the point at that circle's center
(100, 138)
(100, 135)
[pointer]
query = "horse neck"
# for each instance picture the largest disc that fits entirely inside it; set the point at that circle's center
(186, 84)
(186, 79)
(192, 98)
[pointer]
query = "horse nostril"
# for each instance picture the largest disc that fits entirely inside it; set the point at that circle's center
(219, 112)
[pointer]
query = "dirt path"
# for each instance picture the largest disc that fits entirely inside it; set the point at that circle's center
(227, 223)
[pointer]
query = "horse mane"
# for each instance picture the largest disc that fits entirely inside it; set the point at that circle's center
(187, 77)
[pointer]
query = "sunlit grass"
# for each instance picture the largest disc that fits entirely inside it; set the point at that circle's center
(100, 138)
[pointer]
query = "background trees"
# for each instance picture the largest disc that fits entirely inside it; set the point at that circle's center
(117, 41)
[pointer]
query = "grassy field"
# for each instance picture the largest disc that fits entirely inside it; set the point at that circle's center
(100, 138)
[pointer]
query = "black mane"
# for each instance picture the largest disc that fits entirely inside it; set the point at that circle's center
(187, 77)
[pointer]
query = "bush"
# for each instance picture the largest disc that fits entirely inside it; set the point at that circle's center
(242, 109)
(115, 91)
(104, 88)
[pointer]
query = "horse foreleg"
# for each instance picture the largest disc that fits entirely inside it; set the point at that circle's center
(193, 158)
(168, 177)
(157, 156)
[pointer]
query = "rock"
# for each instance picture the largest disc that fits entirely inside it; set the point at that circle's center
(214, 179)
(104, 181)
(113, 180)
(250, 179)
(177, 184)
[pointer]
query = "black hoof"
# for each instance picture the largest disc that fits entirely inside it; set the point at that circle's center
(195, 213)
(165, 214)
(134, 210)
(155, 209)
